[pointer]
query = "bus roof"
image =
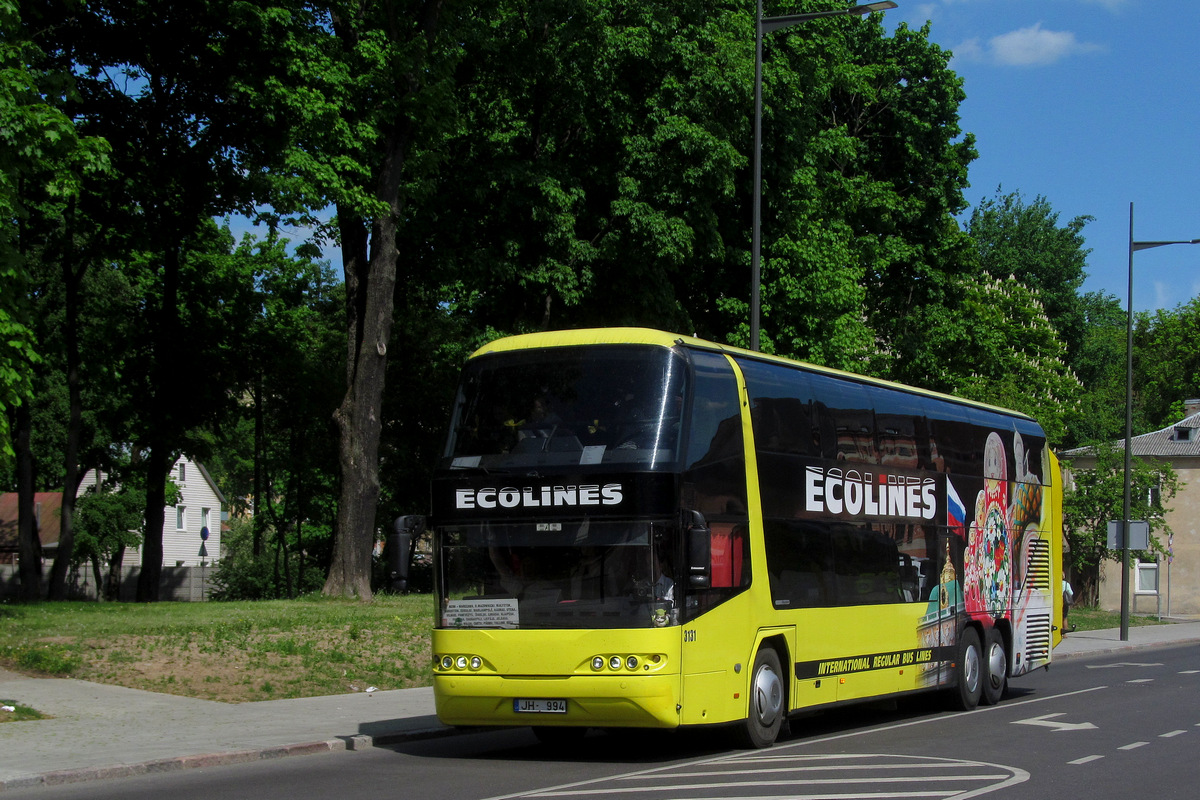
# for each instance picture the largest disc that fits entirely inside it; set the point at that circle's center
(649, 336)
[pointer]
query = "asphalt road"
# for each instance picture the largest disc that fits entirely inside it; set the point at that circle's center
(1109, 728)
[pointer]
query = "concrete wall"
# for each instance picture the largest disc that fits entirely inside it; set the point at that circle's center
(177, 583)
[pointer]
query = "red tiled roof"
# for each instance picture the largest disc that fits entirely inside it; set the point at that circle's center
(47, 511)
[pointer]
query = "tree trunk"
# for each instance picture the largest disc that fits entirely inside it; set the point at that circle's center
(258, 520)
(152, 531)
(1086, 585)
(167, 385)
(370, 284)
(29, 543)
(66, 537)
(370, 278)
(98, 576)
(112, 586)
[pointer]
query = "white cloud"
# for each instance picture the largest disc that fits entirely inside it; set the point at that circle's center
(970, 50)
(1026, 47)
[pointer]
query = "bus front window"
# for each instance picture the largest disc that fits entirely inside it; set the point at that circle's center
(568, 406)
(585, 574)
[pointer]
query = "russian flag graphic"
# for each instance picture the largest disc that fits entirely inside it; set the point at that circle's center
(956, 512)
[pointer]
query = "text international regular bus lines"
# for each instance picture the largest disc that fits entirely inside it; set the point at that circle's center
(637, 529)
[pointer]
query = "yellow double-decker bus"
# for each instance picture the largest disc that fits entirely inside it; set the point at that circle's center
(638, 529)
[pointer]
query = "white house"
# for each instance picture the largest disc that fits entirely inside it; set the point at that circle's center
(192, 528)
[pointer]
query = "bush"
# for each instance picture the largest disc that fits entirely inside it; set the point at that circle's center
(240, 575)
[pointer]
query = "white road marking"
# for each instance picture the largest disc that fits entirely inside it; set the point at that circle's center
(1085, 760)
(1046, 721)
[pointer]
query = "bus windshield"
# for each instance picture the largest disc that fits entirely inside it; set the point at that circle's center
(569, 406)
(579, 574)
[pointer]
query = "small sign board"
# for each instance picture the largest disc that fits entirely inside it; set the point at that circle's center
(1139, 534)
(482, 613)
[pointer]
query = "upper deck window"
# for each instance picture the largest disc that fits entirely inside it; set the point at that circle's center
(569, 406)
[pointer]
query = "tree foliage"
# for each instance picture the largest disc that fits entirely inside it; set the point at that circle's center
(1097, 495)
(1167, 362)
(488, 167)
(1024, 241)
(997, 345)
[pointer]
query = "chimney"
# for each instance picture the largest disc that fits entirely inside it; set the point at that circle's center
(1191, 407)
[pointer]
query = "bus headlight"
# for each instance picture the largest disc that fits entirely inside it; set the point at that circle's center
(447, 662)
(598, 663)
(461, 662)
(614, 662)
(631, 662)
(476, 662)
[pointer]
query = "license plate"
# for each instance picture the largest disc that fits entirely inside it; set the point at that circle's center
(539, 706)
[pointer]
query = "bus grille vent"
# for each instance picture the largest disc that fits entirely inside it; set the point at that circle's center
(1038, 643)
(1039, 564)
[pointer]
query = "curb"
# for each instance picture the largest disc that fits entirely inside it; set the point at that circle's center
(1121, 647)
(179, 763)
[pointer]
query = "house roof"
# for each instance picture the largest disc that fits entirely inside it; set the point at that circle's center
(1179, 439)
(47, 511)
(212, 484)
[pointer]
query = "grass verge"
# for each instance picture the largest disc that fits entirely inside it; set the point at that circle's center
(1094, 619)
(233, 652)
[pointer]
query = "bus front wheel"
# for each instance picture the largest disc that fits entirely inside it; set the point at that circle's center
(969, 671)
(765, 716)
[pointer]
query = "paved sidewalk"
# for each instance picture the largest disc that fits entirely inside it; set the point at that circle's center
(100, 731)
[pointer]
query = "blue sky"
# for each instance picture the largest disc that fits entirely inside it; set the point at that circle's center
(1092, 104)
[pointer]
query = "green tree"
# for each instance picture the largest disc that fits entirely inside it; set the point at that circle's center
(43, 162)
(1100, 366)
(278, 455)
(997, 345)
(169, 86)
(887, 161)
(1097, 495)
(109, 521)
(584, 193)
(1167, 362)
(1024, 240)
(361, 103)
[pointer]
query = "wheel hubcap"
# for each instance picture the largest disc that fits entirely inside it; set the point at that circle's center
(996, 666)
(768, 696)
(971, 669)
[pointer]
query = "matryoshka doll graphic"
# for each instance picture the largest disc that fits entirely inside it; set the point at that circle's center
(988, 560)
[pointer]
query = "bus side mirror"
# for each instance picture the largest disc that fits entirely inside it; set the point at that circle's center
(699, 546)
(407, 529)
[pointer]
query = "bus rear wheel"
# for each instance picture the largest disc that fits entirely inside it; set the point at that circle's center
(765, 716)
(969, 672)
(995, 663)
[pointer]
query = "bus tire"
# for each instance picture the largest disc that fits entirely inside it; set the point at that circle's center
(995, 667)
(968, 672)
(767, 710)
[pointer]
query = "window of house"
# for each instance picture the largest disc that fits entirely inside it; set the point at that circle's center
(1145, 577)
(180, 518)
(182, 471)
(204, 518)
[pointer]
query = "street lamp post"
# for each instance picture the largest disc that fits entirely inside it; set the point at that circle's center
(1133, 248)
(766, 25)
